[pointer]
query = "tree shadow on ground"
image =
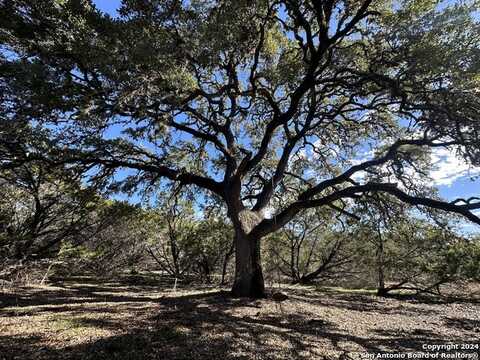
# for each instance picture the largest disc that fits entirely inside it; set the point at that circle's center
(209, 325)
(464, 324)
(360, 302)
(204, 326)
(81, 290)
(435, 299)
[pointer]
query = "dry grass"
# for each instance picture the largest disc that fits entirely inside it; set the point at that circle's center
(85, 319)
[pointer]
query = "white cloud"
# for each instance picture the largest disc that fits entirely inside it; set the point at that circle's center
(359, 176)
(447, 167)
(268, 212)
(301, 154)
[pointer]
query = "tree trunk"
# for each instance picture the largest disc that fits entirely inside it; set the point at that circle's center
(248, 269)
(226, 261)
(381, 291)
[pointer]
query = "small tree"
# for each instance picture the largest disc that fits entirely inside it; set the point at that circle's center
(172, 235)
(117, 245)
(405, 249)
(213, 247)
(458, 262)
(40, 208)
(184, 239)
(312, 247)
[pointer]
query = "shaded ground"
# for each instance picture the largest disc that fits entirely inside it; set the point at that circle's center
(83, 319)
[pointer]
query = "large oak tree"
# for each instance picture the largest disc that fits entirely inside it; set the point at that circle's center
(248, 100)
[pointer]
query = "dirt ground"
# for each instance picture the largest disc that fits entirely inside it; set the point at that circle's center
(82, 318)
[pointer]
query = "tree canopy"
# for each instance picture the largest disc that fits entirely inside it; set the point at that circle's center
(317, 101)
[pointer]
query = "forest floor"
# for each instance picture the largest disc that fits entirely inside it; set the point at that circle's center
(83, 318)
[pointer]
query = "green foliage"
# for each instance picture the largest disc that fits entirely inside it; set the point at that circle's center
(459, 261)
(117, 245)
(69, 251)
(40, 208)
(401, 249)
(182, 243)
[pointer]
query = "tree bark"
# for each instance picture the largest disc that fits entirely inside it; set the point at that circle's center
(381, 290)
(248, 268)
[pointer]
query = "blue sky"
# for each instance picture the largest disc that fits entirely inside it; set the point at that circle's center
(108, 6)
(452, 177)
